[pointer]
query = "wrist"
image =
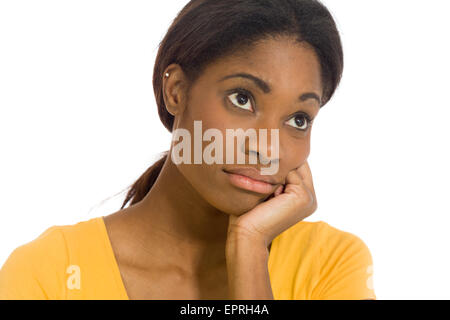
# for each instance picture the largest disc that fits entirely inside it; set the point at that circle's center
(247, 258)
(243, 241)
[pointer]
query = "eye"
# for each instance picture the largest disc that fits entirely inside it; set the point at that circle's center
(241, 100)
(300, 121)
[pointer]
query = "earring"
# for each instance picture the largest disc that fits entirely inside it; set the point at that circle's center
(167, 74)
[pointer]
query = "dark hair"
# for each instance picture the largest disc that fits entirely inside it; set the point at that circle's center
(205, 30)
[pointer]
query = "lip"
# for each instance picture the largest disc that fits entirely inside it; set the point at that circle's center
(252, 173)
(250, 179)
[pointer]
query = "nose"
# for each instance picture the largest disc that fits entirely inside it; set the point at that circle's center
(266, 148)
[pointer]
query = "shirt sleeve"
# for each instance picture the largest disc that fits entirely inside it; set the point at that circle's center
(30, 271)
(346, 267)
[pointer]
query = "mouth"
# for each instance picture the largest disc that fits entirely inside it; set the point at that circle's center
(249, 179)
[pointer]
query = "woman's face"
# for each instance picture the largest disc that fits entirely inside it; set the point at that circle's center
(287, 70)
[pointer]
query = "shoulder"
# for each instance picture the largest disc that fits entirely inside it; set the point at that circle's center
(37, 269)
(322, 262)
(346, 265)
(334, 240)
(298, 234)
(323, 238)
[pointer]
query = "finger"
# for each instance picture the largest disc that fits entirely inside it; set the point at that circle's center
(304, 170)
(306, 175)
(294, 183)
(279, 190)
(294, 177)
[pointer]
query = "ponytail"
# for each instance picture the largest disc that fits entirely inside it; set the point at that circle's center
(145, 182)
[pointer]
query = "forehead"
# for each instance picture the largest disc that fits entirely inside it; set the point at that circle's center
(283, 63)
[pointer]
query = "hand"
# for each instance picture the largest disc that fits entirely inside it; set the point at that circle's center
(289, 204)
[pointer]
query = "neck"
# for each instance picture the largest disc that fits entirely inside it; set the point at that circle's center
(175, 218)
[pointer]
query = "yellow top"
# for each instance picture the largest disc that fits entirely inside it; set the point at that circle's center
(310, 260)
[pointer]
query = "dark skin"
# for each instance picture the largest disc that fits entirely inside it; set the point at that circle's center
(173, 243)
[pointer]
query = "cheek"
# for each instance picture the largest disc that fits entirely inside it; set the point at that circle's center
(200, 176)
(294, 152)
(204, 104)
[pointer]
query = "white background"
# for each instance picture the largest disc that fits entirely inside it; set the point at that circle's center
(78, 124)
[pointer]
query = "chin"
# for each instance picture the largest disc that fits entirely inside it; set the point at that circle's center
(215, 189)
(237, 202)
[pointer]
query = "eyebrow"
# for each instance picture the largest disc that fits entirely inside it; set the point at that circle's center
(265, 87)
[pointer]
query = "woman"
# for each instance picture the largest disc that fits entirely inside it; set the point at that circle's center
(218, 230)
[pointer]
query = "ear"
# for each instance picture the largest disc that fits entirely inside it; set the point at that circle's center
(174, 89)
